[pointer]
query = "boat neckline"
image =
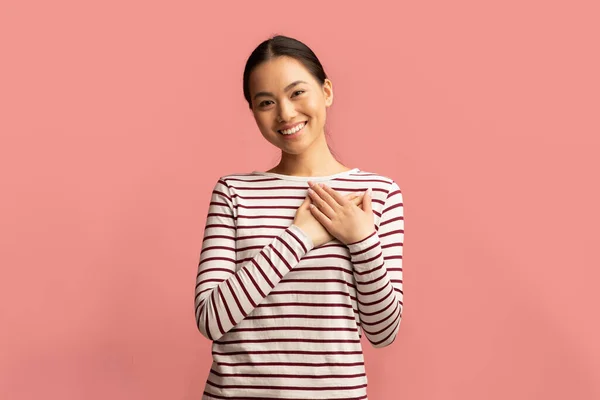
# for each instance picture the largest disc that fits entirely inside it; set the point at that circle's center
(306, 178)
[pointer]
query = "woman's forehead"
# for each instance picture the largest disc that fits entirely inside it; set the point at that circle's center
(278, 73)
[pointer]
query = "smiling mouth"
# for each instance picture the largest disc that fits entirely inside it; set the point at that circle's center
(295, 129)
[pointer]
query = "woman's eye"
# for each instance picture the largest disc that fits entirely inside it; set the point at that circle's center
(264, 103)
(299, 91)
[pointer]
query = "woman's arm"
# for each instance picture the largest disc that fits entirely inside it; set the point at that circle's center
(225, 297)
(377, 261)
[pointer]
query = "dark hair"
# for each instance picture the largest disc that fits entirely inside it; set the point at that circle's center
(278, 46)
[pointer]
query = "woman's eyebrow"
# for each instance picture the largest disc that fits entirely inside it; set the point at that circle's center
(288, 87)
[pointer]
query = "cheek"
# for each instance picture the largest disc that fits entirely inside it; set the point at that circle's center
(314, 107)
(262, 120)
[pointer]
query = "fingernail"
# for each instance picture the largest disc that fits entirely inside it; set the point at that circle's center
(369, 191)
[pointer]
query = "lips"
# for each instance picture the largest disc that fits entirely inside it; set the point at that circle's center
(288, 127)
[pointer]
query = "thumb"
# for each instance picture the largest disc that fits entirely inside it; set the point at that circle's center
(366, 203)
(356, 199)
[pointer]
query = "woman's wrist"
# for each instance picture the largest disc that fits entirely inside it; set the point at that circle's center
(357, 238)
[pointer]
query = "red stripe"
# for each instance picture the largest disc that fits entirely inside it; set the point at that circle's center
(288, 340)
(263, 274)
(212, 295)
(244, 287)
(237, 301)
(216, 396)
(226, 306)
(293, 376)
(286, 387)
(268, 260)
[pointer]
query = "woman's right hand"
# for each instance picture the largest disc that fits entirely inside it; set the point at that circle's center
(313, 228)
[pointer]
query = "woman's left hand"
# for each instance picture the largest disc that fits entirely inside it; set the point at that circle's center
(345, 221)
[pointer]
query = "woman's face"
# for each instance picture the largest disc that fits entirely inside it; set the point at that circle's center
(285, 95)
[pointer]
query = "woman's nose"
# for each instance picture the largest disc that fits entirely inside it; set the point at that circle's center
(286, 111)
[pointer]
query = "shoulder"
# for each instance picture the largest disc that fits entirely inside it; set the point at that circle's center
(224, 186)
(386, 189)
(233, 178)
(376, 179)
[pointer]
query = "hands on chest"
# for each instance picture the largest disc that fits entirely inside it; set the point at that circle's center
(326, 214)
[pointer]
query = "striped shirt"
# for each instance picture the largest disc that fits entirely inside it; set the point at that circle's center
(285, 317)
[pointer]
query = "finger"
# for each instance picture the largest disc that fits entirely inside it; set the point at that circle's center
(319, 216)
(335, 195)
(367, 201)
(305, 203)
(326, 196)
(357, 200)
(354, 197)
(320, 203)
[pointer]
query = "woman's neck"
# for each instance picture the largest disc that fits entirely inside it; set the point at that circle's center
(315, 160)
(299, 166)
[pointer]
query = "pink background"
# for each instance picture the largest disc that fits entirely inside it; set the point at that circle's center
(116, 119)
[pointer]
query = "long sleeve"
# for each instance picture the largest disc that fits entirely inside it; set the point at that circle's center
(224, 294)
(377, 261)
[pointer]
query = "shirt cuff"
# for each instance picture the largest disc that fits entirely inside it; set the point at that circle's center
(366, 252)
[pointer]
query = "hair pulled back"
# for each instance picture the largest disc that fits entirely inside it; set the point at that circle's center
(278, 46)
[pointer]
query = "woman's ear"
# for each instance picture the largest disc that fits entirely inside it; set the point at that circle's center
(328, 92)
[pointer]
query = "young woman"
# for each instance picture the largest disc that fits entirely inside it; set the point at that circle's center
(298, 261)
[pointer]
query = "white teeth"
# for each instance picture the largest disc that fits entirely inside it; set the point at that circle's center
(293, 130)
